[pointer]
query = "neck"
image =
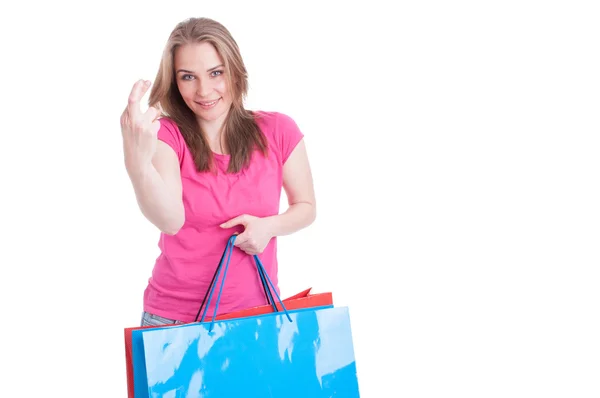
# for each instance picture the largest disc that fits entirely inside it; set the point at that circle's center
(212, 130)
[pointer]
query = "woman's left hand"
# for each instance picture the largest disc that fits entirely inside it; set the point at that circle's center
(257, 233)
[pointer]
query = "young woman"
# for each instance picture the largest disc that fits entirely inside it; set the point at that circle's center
(204, 168)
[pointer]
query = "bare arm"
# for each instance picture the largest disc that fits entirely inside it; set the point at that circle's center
(158, 189)
(152, 165)
(298, 186)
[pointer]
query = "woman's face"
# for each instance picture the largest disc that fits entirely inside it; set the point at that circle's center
(200, 75)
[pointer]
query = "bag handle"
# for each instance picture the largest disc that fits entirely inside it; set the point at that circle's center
(211, 284)
(264, 275)
(268, 295)
(266, 281)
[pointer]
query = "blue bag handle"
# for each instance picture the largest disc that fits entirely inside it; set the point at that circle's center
(263, 275)
(212, 283)
(268, 294)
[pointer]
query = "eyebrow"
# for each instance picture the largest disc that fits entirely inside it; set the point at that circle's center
(191, 72)
(215, 67)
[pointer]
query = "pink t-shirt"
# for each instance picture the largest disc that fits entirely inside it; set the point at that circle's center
(184, 269)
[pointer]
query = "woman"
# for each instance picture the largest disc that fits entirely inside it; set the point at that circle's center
(204, 168)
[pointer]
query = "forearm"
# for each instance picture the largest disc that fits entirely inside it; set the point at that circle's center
(156, 201)
(297, 217)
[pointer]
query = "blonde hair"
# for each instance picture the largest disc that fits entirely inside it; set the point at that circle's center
(241, 132)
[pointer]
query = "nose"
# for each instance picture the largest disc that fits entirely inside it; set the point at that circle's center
(203, 89)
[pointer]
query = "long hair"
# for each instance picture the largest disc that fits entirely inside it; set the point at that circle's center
(241, 133)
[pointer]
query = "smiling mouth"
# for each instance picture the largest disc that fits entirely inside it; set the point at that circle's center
(208, 104)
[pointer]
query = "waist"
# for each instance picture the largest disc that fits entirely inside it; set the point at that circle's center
(178, 286)
(172, 305)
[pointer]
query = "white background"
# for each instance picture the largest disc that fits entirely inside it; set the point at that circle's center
(454, 148)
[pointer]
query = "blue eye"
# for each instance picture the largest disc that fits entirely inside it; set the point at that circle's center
(216, 73)
(187, 77)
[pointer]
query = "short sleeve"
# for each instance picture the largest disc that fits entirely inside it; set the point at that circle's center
(288, 134)
(170, 134)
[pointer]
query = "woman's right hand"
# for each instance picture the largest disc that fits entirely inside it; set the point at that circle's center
(139, 130)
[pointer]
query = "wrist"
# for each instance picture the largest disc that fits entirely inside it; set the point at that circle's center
(137, 169)
(274, 225)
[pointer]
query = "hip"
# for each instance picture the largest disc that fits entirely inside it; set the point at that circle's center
(149, 319)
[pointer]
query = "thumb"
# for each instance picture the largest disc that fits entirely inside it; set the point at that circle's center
(152, 113)
(240, 239)
(239, 220)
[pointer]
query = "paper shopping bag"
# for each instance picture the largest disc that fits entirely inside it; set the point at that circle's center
(310, 354)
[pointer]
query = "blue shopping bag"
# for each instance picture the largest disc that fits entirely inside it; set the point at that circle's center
(300, 353)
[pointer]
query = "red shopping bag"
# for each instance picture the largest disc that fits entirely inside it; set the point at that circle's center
(298, 301)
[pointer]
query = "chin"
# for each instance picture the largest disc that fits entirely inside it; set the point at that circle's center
(212, 114)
